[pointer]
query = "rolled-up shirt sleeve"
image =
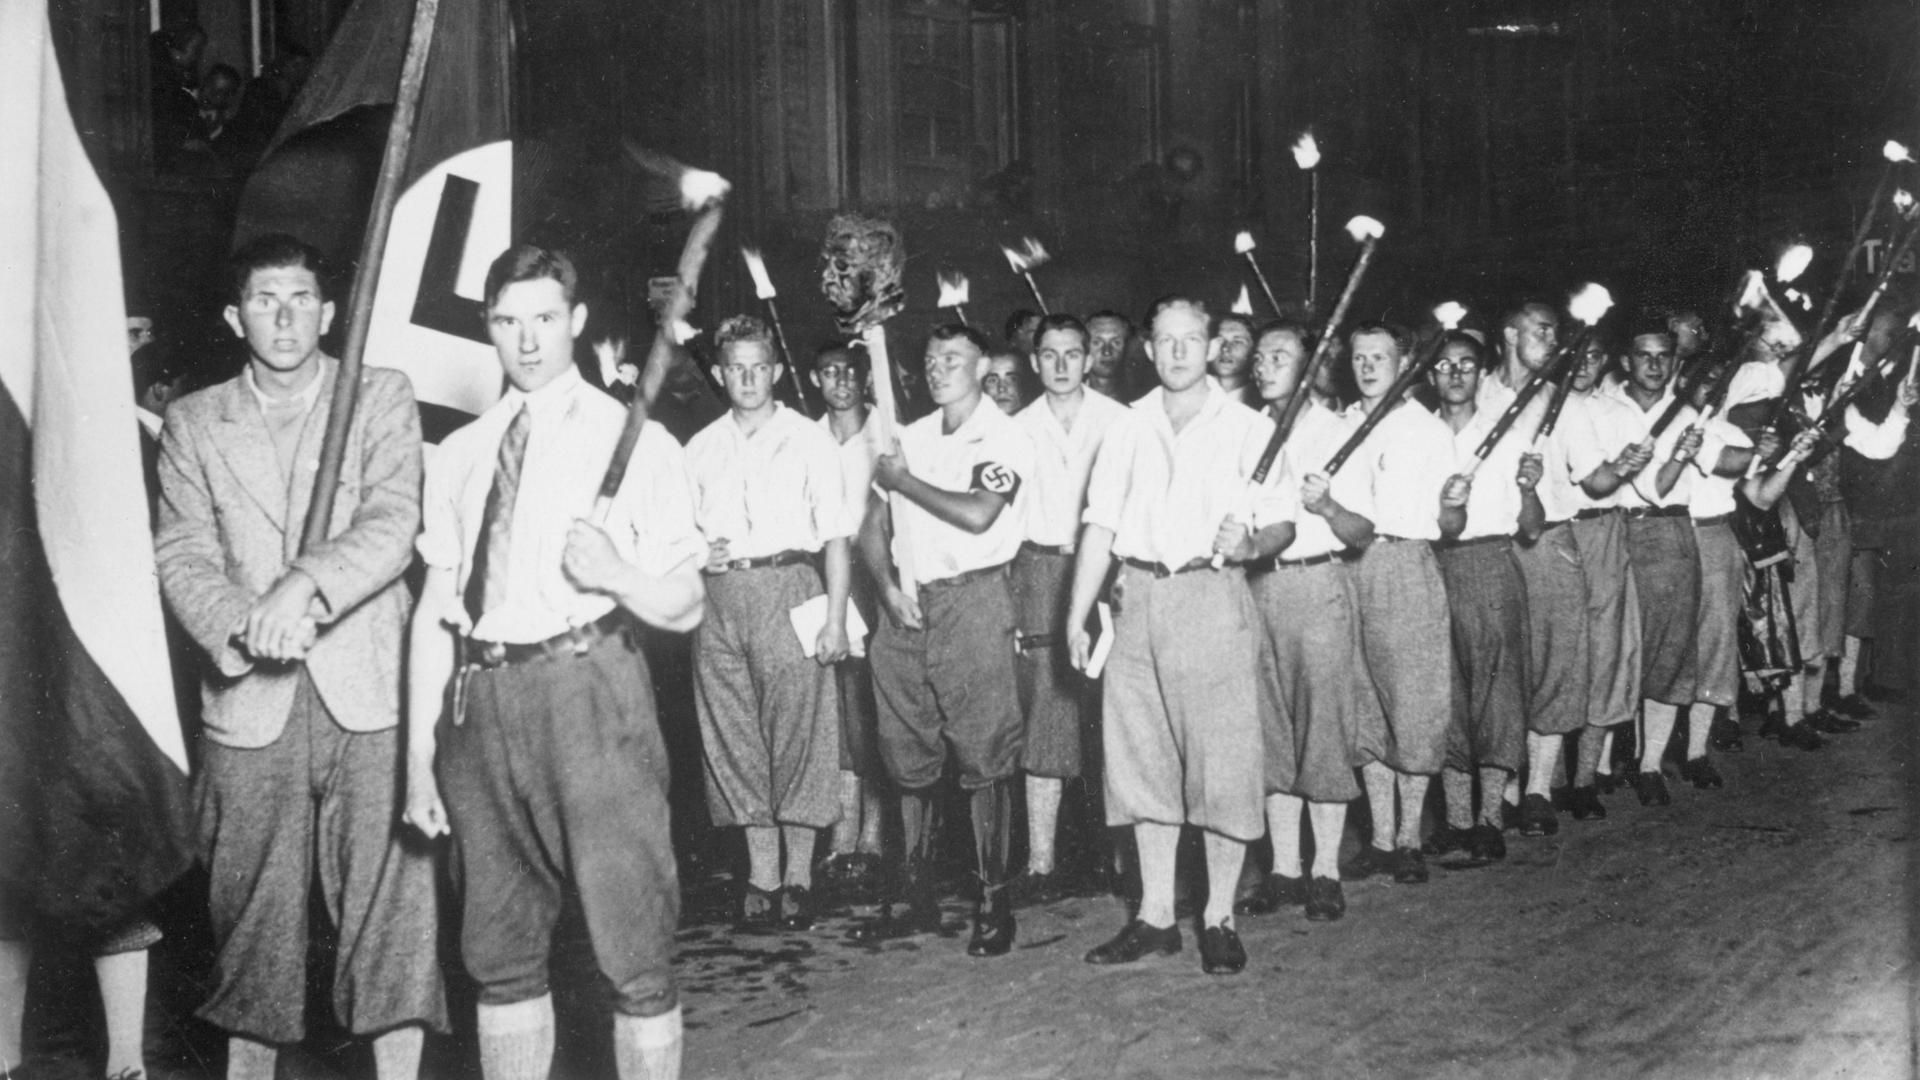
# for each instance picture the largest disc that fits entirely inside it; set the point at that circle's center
(1112, 470)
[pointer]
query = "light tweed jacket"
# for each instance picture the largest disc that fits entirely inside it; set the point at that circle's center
(230, 527)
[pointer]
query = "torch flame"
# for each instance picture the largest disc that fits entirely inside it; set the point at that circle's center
(1031, 255)
(762, 284)
(1896, 151)
(683, 331)
(1591, 303)
(953, 289)
(1243, 304)
(698, 187)
(1902, 200)
(1450, 314)
(1306, 152)
(1914, 323)
(1793, 262)
(1364, 228)
(1242, 242)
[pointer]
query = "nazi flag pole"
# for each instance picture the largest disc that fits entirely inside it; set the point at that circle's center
(386, 192)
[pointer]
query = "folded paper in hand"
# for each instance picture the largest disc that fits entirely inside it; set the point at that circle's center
(811, 617)
(1102, 642)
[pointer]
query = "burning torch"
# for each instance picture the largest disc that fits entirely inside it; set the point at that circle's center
(954, 294)
(1243, 244)
(1024, 262)
(763, 288)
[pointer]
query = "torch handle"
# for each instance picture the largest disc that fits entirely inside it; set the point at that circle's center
(1324, 345)
(1528, 391)
(1034, 288)
(793, 369)
(886, 418)
(1846, 267)
(693, 257)
(1260, 276)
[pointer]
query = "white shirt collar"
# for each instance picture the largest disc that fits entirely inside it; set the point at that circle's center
(555, 397)
(305, 398)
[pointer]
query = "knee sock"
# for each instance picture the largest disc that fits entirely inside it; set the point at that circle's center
(1543, 762)
(123, 996)
(1810, 683)
(799, 840)
(15, 958)
(1413, 798)
(1329, 828)
(992, 810)
(1657, 719)
(1225, 856)
(1493, 786)
(873, 820)
(1043, 818)
(1586, 756)
(1283, 832)
(846, 831)
(516, 1041)
(1158, 845)
(648, 1047)
(1850, 666)
(763, 856)
(1605, 763)
(1700, 720)
(918, 823)
(1457, 786)
(396, 1053)
(249, 1060)
(1379, 783)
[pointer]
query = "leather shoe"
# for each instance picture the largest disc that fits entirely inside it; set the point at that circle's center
(1583, 802)
(1444, 840)
(1652, 789)
(1135, 940)
(1409, 867)
(1608, 783)
(1274, 892)
(759, 909)
(1325, 901)
(1370, 861)
(1031, 888)
(1537, 817)
(992, 930)
(1485, 842)
(1854, 707)
(1801, 737)
(1701, 774)
(1828, 722)
(796, 908)
(1221, 952)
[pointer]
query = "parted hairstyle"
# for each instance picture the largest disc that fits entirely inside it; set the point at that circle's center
(744, 328)
(1175, 300)
(952, 330)
(274, 251)
(1060, 320)
(1402, 339)
(530, 262)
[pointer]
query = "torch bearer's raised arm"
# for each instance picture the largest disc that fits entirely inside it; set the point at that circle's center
(705, 193)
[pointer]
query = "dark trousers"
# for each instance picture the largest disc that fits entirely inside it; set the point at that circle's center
(558, 775)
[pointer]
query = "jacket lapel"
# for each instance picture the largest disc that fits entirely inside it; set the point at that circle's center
(243, 442)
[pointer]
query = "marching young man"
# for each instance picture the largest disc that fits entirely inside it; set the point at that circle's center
(768, 499)
(1066, 427)
(943, 664)
(547, 747)
(1170, 493)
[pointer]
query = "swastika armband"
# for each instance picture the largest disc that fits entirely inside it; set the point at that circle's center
(996, 478)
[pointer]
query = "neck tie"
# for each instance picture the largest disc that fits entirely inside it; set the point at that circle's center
(487, 581)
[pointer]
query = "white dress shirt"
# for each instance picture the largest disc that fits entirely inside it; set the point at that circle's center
(1063, 463)
(778, 489)
(988, 452)
(1406, 460)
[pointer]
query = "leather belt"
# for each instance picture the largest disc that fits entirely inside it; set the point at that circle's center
(964, 577)
(1708, 523)
(1638, 512)
(1046, 549)
(576, 642)
(790, 557)
(1592, 512)
(1388, 538)
(1162, 570)
(1552, 525)
(1478, 541)
(1341, 556)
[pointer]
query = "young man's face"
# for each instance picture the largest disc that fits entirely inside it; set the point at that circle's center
(282, 317)
(1022, 336)
(749, 372)
(1179, 346)
(1236, 348)
(1277, 361)
(533, 326)
(1002, 383)
(1650, 362)
(1061, 360)
(1376, 364)
(841, 381)
(1593, 361)
(955, 370)
(139, 332)
(1456, 375)
(1533, 338)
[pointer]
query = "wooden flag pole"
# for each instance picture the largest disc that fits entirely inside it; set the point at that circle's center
(393, 165)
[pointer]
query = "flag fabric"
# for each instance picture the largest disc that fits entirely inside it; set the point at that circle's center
(455, 211)
(93, 795)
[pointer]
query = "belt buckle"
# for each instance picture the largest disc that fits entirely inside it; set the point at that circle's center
(579, 642)
(492, 654)
(740, 564)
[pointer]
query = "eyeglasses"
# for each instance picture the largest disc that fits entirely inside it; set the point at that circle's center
(1456, 367)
